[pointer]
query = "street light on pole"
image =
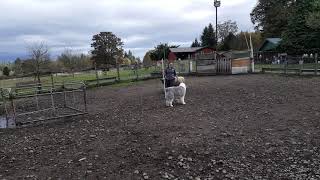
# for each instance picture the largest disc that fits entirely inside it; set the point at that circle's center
(217, 4)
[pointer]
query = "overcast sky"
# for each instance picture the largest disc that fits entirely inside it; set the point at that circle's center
(141, 24)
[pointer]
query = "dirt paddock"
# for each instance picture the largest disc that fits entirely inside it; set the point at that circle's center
(233, 127)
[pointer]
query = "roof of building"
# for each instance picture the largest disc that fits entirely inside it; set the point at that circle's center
(185, 50)
(235, 54)
(270, 44)
(274, 40)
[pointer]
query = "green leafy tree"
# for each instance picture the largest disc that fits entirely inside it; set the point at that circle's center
(147, 61)
(299, 38)
(106, 47)
(6, 71)
(240, 41)
(161, 51)
(313, 19)
(271, 16)
(196, 43)
(17, 66)
(228, 42)
(208, 37)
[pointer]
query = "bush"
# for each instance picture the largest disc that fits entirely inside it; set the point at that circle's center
(6, 71)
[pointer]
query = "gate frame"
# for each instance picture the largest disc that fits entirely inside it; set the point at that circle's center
(51, 91)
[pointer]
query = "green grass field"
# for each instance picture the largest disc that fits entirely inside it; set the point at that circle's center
(125, 75)
(79, 77)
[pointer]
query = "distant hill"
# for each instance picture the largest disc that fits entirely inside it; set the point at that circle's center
(5, 57)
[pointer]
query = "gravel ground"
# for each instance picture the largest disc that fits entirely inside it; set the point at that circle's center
(233, 127)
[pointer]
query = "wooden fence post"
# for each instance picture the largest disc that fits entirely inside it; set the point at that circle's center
(196, 66)
(97, 76)
(118, 71)
(64, 94)
(316, 65)
(300, 66)
(285, 67)
(52, 81)
(137, 72)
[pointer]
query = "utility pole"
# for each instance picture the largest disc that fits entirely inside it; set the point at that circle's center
(217, 4)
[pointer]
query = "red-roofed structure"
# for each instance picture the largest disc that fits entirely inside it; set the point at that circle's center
(188, 53)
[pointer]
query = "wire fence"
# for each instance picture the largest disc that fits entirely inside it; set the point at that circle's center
(301, 65)
(100, 77)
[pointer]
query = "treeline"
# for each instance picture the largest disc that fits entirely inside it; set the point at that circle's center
(67, 62)
(296, 22)
(107, 52)
(228, 37)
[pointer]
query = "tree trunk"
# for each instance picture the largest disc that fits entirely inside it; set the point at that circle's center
(97, 76)
(38, 77)
(118, 71)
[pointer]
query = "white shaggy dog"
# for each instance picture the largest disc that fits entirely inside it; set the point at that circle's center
(177, 93)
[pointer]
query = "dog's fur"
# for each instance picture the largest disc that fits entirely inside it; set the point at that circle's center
(177, 80)
(177, 93)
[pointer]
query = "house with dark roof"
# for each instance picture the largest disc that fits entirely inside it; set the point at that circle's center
(188, 52)
(270, 44)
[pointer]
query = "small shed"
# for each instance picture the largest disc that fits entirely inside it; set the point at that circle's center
(233, 62)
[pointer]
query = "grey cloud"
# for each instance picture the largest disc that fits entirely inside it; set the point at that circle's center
(141, 24)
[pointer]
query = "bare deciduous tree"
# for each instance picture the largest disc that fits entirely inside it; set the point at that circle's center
(227, 27)
(73, 62)
(68, 59)
(39, 54)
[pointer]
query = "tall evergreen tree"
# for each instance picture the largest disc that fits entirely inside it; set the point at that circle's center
(204, 37)
(299, 38)
(196, 43)
(228, 42)
(208, 37)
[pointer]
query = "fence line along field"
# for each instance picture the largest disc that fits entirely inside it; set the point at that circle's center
(232, 127)
(92, 77)
(125, 74)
